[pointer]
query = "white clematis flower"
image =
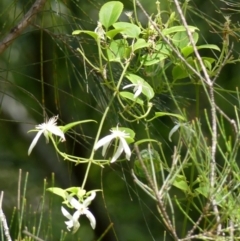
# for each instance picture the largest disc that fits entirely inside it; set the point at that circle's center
(123, 145)
(81, 209)
(137, 88)
(49, 127)
(73, 220)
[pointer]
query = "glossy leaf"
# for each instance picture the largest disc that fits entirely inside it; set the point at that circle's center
(58, 191)
(129, 30)
(118, 50)
(130, 96)
(175, 29)
(109, 13)
(140, 44)
(180, 182)
(181, 39)
(72, 124)
(91, 33)
(147, 90)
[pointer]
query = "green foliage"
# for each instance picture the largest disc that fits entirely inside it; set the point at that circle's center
(183, 159)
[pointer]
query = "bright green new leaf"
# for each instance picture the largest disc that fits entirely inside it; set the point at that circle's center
(72, 124)
(113, 32)
(130, 30)
(209, 46)
(180, 182)
(160, 114)
(58, 191)
(78, 191)
(140, 44)
(91, 33)
(109, 13)
(175, 29)
(130, 96)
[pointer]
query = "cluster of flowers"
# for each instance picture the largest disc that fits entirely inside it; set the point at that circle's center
(50, 127)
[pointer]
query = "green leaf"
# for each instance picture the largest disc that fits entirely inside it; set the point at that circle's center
(91, 33)
(118, 50)
(151, 59)
(129, 30)
(109, 13)
(150, 158)
(147, 90)
(72, 124)
(140, 44)
(58, 191)
(78, 191)
(180, 182)
(180, 72)
(175, 29)
(130, 96)
(181, 39)
(209, 46)
(159, 114)
(113, 32)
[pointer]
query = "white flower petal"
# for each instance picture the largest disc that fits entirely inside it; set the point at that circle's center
(174, 129)
(74, 202)
(73, 220)
(66, 213)
(128, 86)
(89, 199)
(118, 152)
(105, 142)
(91, 218)
(56, 131)
(34, 142)
(137, 90)
(126, 148)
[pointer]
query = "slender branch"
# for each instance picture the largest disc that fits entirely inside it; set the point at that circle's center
(210, 84)
(4, 221)
(160, 203)
(18, 29)
(169, 43)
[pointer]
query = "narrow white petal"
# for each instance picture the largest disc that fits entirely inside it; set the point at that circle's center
(66, 213)
(138, 91)
(174, 129)
(76, 227)
(74, 202)
(34, 142)
(56, 131)
(76, 215)
(127, 86)
(105, 140)
(104, 149)
(91, 218)
(118, 152)
(89, 199)
(126, 148)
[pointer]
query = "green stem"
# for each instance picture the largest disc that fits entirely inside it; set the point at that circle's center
(102, 122)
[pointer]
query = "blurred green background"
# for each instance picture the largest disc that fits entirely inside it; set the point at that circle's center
(41, 72)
